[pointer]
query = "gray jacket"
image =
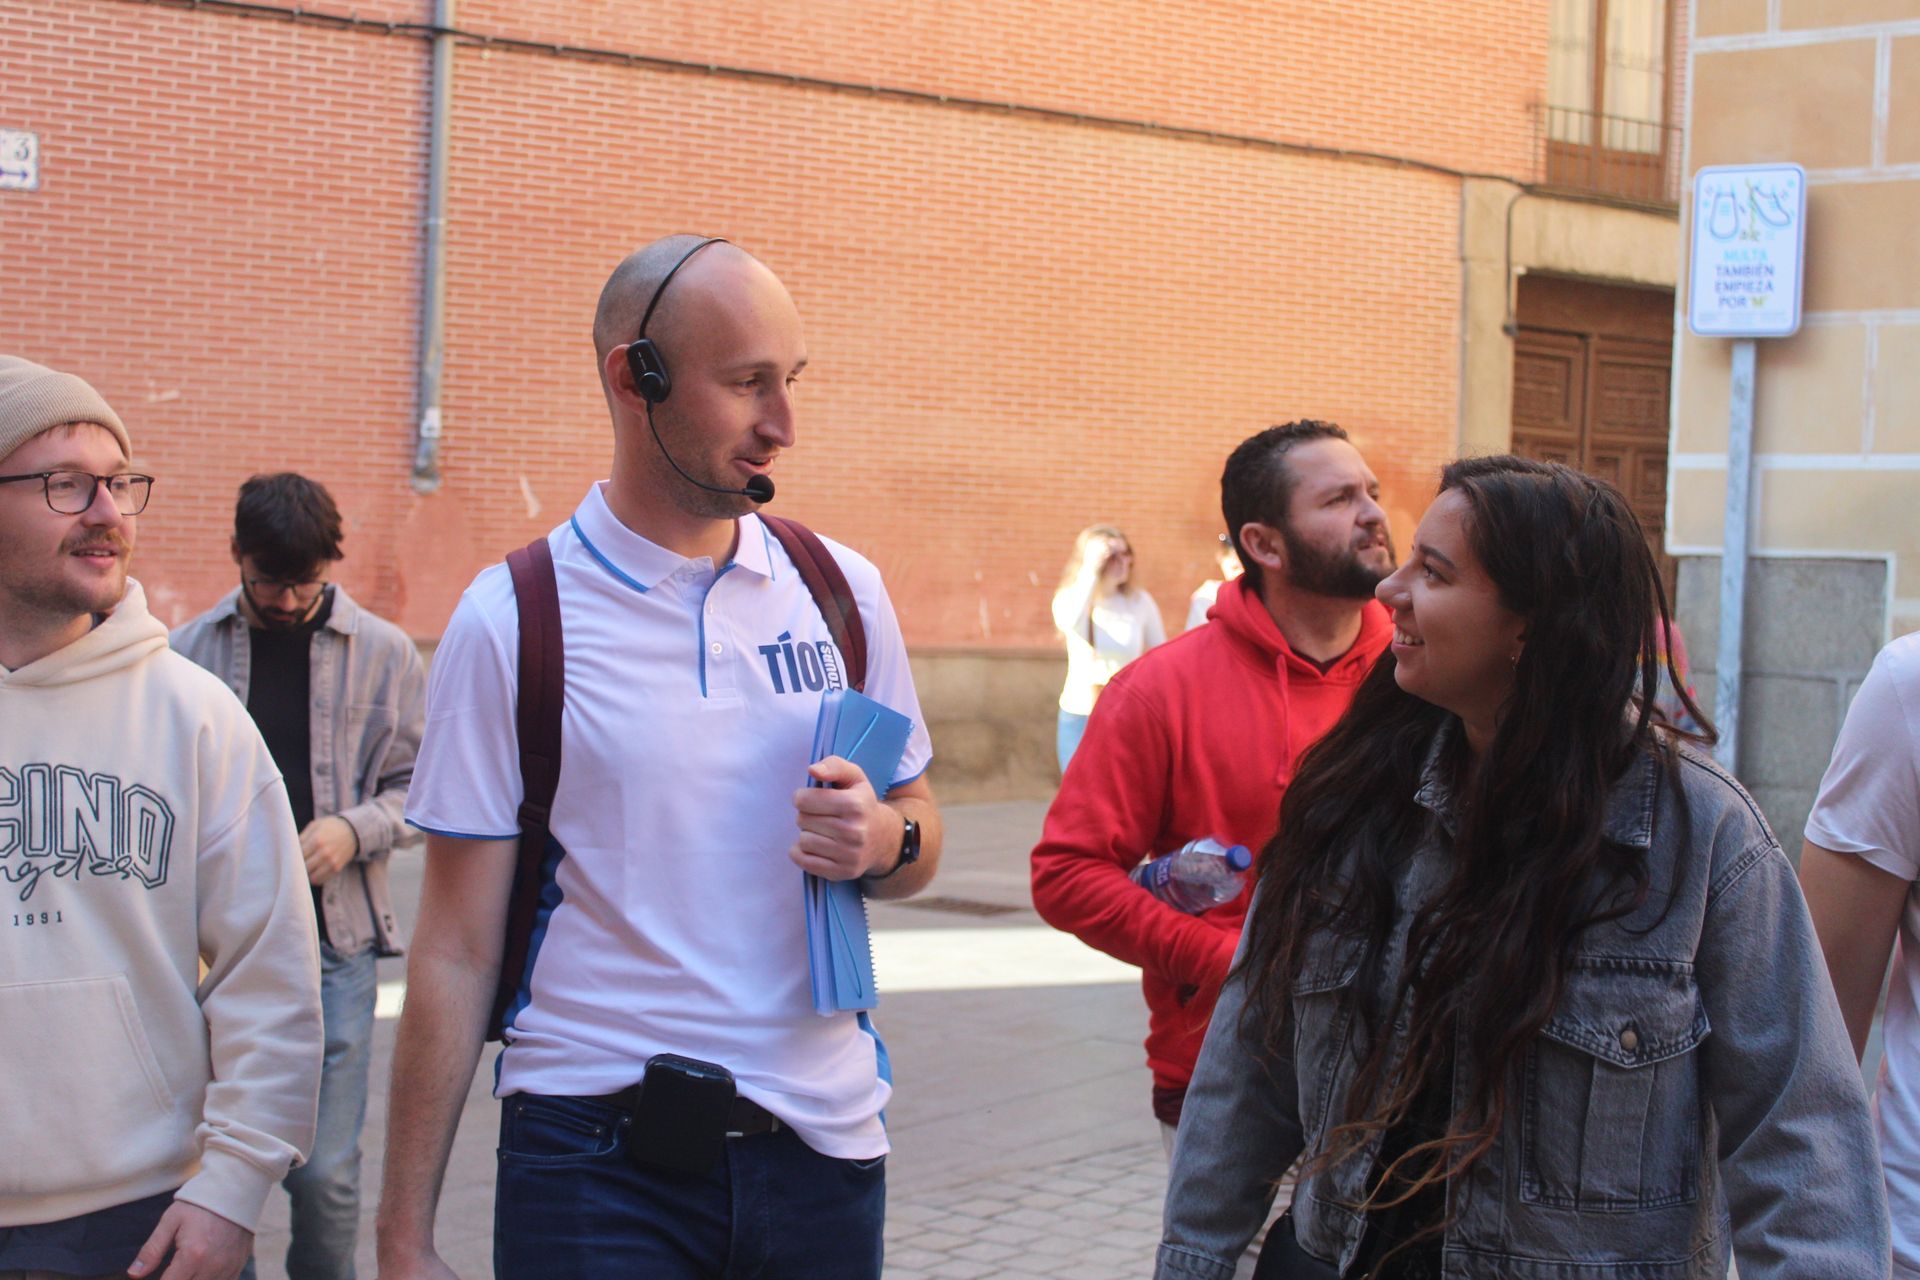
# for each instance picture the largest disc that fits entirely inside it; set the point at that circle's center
(1694, 1091)
(369, 690)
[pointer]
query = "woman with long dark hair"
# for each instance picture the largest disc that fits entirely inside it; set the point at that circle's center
(1526, 981)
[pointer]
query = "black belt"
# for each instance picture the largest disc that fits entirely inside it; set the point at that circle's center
(745, 1119)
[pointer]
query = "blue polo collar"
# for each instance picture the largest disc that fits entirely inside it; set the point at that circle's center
(642, 564)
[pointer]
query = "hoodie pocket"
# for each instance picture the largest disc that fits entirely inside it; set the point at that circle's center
(86, 1101)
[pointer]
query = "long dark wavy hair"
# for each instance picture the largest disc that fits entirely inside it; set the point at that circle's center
(1529, 866)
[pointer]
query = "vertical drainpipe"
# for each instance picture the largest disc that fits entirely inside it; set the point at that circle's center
(433, 303)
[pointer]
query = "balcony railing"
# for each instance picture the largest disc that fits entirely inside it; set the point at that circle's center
(1637, 161)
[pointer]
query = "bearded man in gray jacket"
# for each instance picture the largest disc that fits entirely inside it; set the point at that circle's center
(340, 697)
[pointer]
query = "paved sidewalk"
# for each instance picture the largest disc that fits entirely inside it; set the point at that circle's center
(1023, 1143)
(1087, 1217)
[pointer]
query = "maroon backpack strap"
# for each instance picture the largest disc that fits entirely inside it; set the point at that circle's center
(831, 594)
(543, 682)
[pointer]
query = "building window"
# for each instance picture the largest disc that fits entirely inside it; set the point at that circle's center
(1607, 96)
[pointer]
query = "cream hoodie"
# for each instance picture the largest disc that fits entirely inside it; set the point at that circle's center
(144, 828)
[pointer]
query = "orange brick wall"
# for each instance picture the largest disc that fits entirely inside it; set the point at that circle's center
(1018, 326)
(225, 242)
(1449, 81)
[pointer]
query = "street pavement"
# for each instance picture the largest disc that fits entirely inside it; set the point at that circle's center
(1023, 1141)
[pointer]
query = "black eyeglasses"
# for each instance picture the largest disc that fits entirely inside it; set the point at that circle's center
(273, 588)
(71, 492)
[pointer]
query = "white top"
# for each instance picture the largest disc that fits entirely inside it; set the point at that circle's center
(1202, 600)
(1102, 636)
(691, 698)
(1869, 805)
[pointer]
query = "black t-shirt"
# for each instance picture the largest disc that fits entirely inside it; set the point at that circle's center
(280, 700)
(1425, 1121)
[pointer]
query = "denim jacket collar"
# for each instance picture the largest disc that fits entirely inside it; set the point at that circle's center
(1630, 803)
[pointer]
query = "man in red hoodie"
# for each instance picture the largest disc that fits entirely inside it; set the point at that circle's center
(1200, 736)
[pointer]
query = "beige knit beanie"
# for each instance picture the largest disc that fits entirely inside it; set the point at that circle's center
(34, 398)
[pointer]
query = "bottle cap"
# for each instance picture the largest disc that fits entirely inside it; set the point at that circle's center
(1239, 857)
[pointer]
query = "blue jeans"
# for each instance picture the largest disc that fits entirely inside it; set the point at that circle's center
(326, 1189)
(568, 1203)
(1066, 739)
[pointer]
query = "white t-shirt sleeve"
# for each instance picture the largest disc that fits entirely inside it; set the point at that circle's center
(466, 782)
(1154, 625)
(890, 683)
(1869, 802)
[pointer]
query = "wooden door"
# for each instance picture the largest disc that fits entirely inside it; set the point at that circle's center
(1600, 404)
(1626, 438)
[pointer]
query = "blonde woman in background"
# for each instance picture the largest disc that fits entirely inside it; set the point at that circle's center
(1107, 622)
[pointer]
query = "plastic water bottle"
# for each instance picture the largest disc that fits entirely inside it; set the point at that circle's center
(1200, 874)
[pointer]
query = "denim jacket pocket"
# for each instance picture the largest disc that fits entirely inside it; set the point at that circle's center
(1323, 1027)
(1611, 1118)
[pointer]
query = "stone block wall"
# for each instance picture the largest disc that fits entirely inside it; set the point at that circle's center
(1833, 85)
(1812, 629)
(992, 717)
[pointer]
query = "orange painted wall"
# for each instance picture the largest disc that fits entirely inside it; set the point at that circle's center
(1018, 325)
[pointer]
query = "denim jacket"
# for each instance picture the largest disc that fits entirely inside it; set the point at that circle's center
(1694, 1091)
(369, 690)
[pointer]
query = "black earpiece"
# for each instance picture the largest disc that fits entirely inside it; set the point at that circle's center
(649, 370)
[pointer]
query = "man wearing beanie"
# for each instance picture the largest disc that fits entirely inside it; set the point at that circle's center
(145, 839)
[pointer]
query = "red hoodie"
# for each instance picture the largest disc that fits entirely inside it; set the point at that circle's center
(1198, 737)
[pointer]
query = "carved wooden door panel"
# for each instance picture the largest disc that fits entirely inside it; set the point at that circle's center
(1599, 404)
(1549, 396)
(1626, 439)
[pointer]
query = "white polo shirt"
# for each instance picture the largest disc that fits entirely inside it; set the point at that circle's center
(1869, 807)
(676, 921)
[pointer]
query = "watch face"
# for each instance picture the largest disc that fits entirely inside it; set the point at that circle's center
(910, 843)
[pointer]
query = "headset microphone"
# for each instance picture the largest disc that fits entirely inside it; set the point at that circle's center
(758, 488)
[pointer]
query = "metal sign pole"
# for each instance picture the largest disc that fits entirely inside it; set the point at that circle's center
(1733, 556)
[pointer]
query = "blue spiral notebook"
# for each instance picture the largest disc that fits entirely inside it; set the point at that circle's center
(853, 727)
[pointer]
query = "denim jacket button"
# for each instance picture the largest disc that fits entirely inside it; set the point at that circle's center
(1629, 1039)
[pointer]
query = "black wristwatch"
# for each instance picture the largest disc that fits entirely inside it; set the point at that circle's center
(909, 848)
